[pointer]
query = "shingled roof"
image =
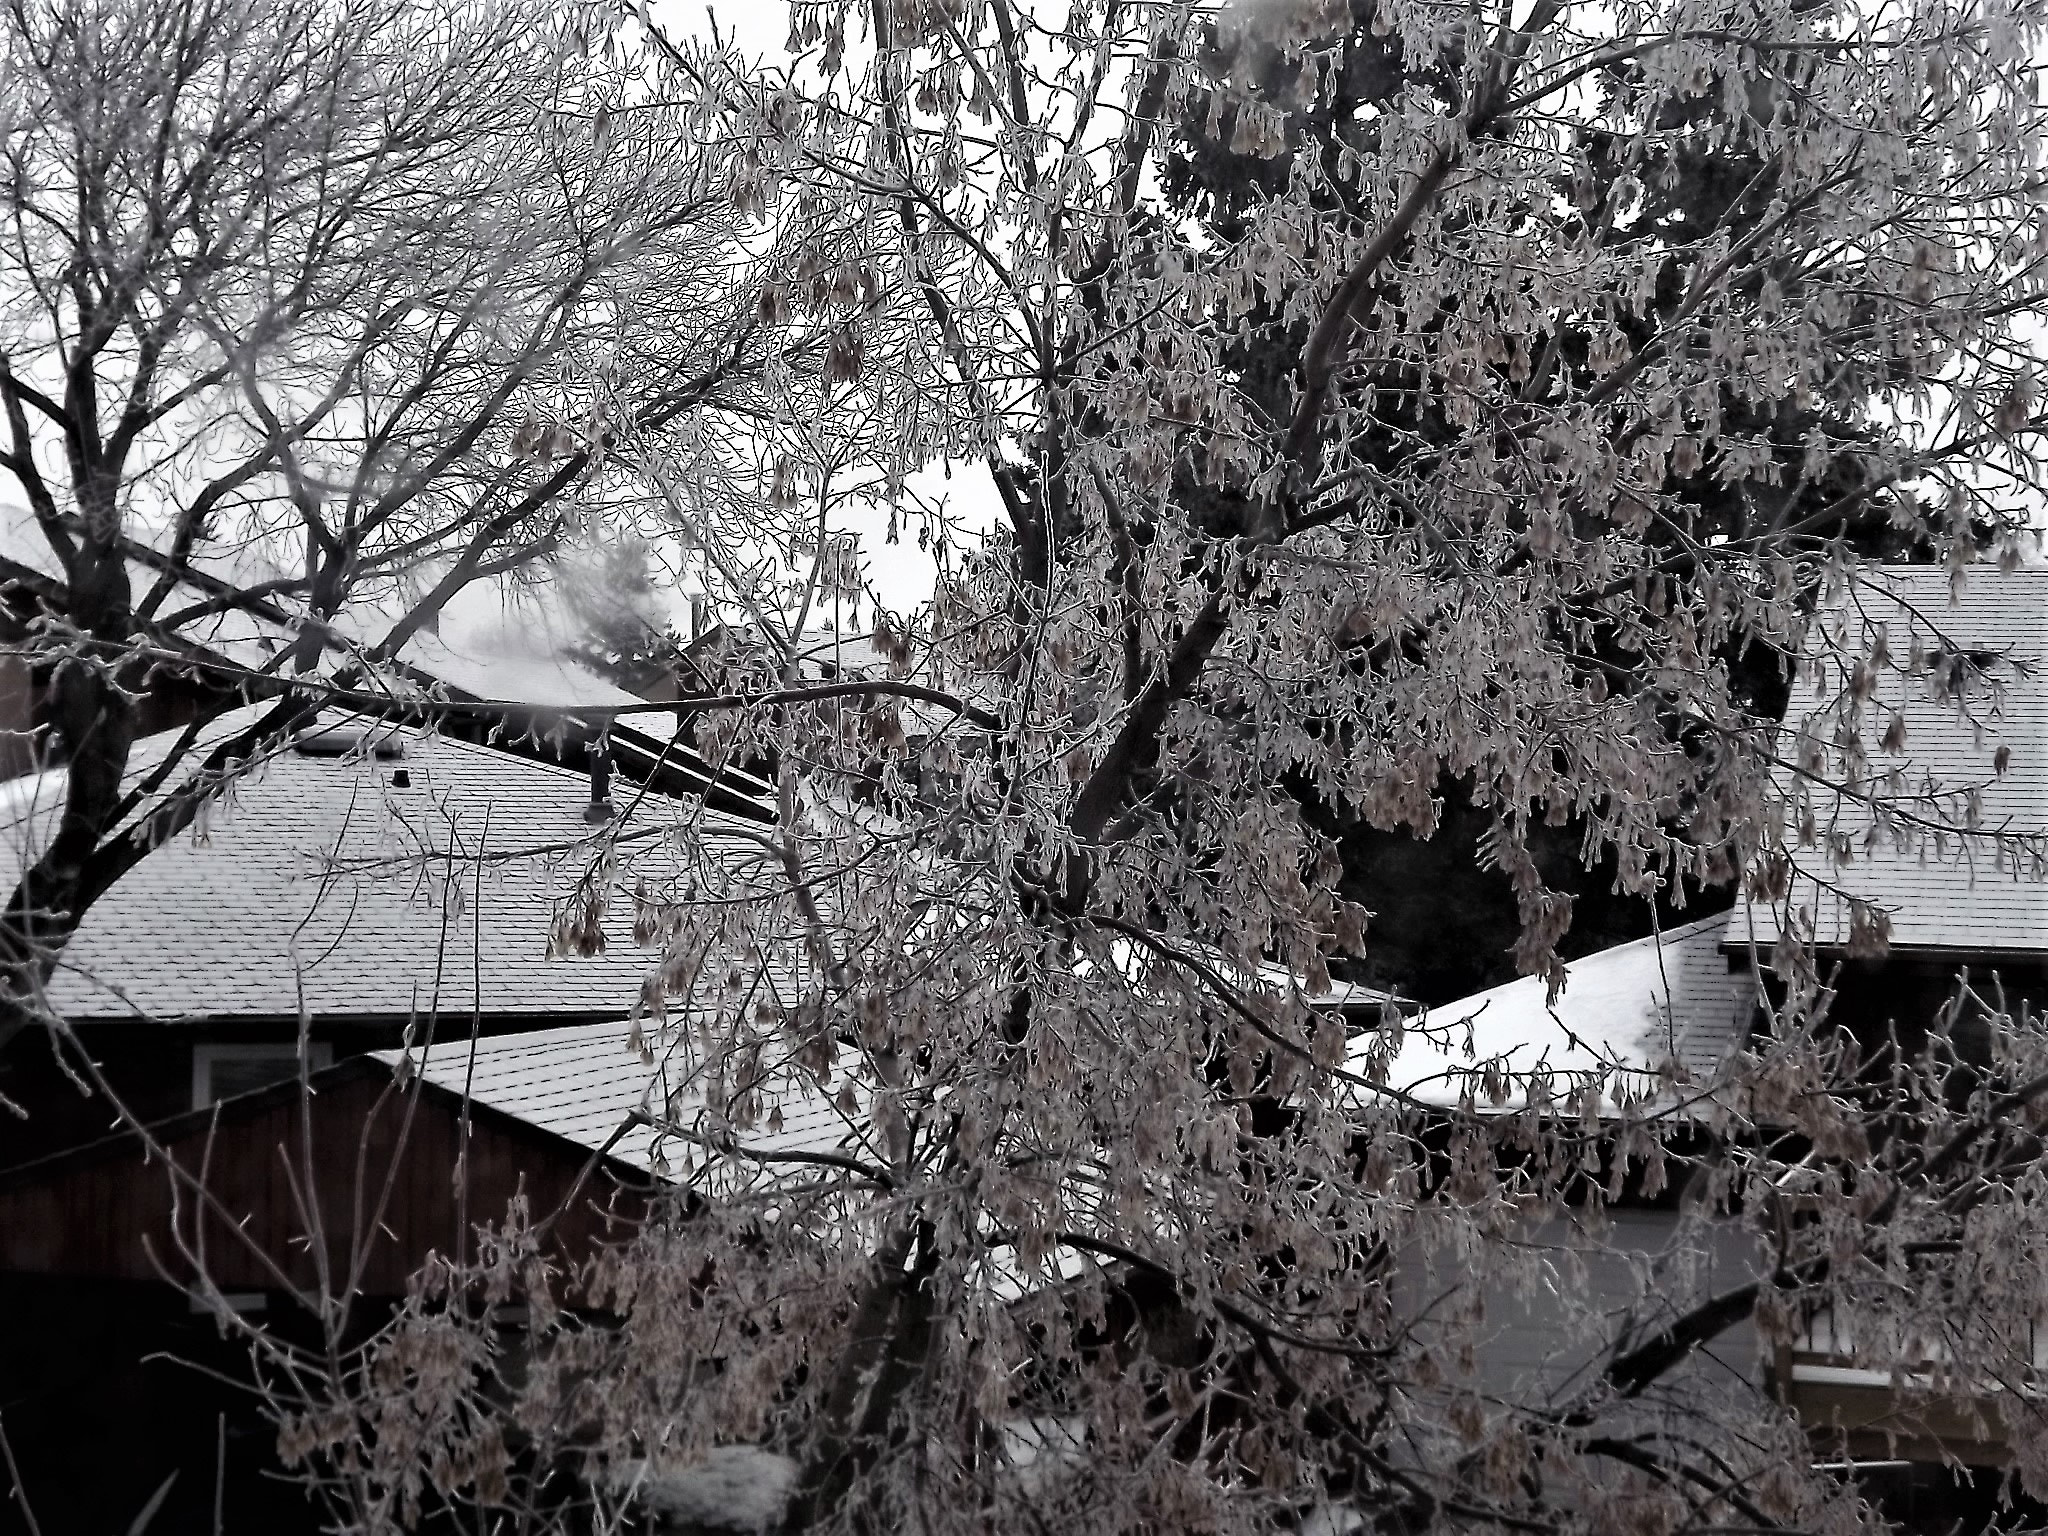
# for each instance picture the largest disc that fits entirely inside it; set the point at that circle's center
(1967, 685)
(590, 1085)
(324, 882)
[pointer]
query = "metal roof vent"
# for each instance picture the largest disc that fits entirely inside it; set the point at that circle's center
(600, 806)
(349, 741)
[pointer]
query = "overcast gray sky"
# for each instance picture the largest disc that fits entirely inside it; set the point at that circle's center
(901, 572)
(758, 26)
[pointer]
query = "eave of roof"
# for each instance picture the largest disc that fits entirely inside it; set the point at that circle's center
(590, 1086)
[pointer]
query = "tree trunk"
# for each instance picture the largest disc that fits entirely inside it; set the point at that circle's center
(93, 720)
(885, 1356)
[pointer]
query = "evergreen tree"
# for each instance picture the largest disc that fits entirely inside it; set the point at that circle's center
(1446, 914)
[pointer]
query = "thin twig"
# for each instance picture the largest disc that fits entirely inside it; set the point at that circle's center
(16, 1487)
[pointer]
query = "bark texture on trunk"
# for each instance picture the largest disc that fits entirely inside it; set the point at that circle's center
(874, 1380)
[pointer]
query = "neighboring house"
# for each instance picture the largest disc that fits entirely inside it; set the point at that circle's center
(1647, 1024)
(1957, 716)
(366, 888)
(364, 878)
(1957, 723)
(402, 1153)
(386, 876)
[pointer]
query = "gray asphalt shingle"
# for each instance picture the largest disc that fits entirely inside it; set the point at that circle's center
(324, 883)
(586, 1082)
(1943, 886)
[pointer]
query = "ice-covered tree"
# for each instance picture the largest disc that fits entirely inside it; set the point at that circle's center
(1123, 1233)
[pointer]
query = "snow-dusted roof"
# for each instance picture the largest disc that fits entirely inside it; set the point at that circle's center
(844, 652)
(492, 645)
(1624, 1011)
(586, 1082)
(493, 641)
(1948, 893)
(323, 881)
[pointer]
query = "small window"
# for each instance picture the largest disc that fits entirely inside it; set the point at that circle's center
(222, 1071)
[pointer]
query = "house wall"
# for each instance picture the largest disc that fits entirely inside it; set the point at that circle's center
(1536, 1344)
(102, 1212)
(149, 1067)
(108, 1389)
(1906, 991)
(1909, 991)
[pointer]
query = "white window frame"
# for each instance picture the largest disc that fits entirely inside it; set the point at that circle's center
(242, 1303)
(318, 1054)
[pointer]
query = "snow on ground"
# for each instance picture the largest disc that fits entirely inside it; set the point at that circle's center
(734, 1488)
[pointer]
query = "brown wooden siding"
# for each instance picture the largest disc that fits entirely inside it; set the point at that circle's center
(102, 1212)
(148, 1066)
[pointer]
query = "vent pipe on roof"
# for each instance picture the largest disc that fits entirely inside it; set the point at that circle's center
(348, 740)
(600, 807)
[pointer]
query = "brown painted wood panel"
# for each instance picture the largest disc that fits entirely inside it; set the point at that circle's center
(105, 1212)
